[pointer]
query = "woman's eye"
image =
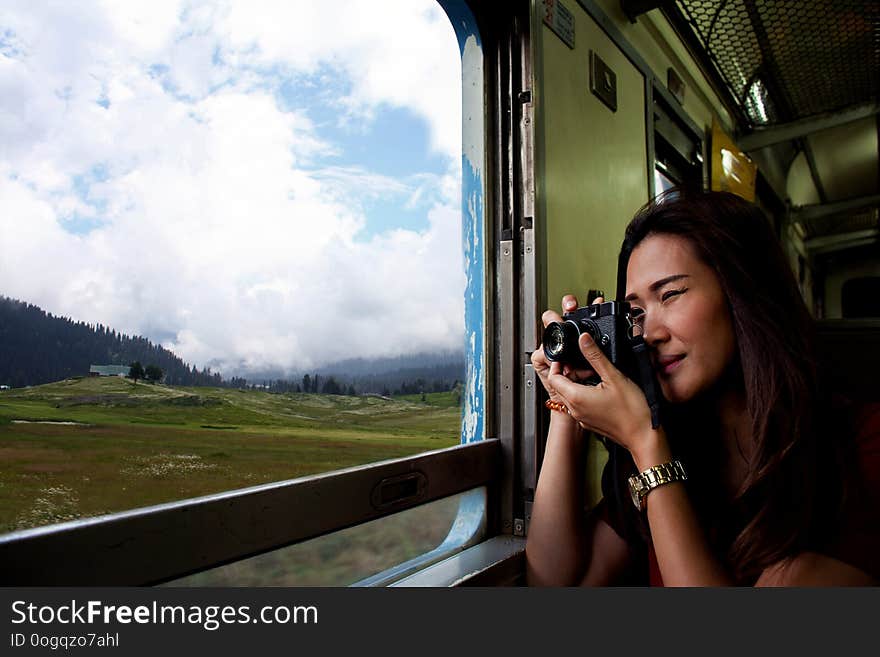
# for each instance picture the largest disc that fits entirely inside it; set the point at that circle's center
(671, 293)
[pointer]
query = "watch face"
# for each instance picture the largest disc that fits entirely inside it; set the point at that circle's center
(635, 498)
(634, 492)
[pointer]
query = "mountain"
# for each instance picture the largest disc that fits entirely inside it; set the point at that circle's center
(37, 347)
(405, 374)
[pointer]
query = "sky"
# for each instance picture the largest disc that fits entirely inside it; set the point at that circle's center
(250, 184)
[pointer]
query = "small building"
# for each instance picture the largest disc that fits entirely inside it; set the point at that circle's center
(109, 370)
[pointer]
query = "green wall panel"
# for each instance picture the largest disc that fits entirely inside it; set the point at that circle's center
(592, 169)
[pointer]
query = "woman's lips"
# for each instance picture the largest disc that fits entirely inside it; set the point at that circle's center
(667, 365)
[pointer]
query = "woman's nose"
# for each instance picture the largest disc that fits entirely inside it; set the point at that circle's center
(654, 330)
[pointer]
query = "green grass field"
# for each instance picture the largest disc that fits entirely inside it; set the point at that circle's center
(124, 445)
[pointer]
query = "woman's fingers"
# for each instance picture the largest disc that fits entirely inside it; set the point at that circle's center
(569, 303)
(577, 374)
(565, 387)
(539, 360)
(583, 375)
(597, 358)
(550, 316)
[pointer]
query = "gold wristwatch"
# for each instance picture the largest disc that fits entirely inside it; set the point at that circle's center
(643, 483)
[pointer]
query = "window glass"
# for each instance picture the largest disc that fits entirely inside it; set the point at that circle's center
(230, 246)
(349, 556)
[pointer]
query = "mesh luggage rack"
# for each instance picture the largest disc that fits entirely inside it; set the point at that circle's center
(783, 60)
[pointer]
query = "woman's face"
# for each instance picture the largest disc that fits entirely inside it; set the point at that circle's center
(684, 315)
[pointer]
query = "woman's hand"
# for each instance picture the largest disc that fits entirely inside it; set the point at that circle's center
(539, 360)
(615, 407)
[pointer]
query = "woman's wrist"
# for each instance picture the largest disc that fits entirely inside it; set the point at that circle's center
(563, 420)
(651, 448)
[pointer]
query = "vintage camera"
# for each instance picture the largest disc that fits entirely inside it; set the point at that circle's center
(611, 326)
(607, 323)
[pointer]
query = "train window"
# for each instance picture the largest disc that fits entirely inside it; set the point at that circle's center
(261, 208)
(662, 182)
(678, 159)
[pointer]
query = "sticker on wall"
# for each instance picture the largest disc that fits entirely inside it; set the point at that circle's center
(559, 19)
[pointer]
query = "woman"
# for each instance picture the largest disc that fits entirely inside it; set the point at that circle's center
(780, 488)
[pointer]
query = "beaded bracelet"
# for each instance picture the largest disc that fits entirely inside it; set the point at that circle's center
(556, 406)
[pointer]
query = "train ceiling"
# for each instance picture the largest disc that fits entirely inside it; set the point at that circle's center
(786, 61)
(802, 79)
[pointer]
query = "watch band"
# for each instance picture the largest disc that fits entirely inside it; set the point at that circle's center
(643, 483)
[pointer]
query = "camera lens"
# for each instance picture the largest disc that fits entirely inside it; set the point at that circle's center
(554, 341)
(561, 343)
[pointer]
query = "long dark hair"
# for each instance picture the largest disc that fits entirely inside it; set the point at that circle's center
(785, 504)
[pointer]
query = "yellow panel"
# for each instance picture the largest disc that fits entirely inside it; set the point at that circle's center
(731, 169)
(592, 170)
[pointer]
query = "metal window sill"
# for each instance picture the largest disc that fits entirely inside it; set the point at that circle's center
(499, 561)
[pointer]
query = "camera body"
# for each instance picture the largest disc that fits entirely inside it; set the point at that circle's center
(611, 326)
(607, 323)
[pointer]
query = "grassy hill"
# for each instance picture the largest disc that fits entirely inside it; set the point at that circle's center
(83, 447)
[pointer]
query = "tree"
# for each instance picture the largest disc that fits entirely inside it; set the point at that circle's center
(154, 373)
(307, 383)
(136, 371)
(331, 387)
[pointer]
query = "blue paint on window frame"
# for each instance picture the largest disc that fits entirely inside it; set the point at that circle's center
(473, 216)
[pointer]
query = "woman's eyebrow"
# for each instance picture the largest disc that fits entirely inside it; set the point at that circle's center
(656, 285)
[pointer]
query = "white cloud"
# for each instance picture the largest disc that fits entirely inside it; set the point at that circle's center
(395, 52)
(221, 222)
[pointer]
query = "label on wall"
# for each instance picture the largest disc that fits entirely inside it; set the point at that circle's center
(559, 19)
